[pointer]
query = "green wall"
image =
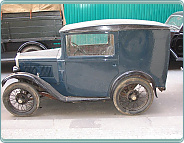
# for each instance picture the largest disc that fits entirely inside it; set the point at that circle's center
(85, 12)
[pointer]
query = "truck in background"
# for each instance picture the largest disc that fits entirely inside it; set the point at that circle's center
(30, 27)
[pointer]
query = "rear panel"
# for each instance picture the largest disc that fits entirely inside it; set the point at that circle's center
(146, 51)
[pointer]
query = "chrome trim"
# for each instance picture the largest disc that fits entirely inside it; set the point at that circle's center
(174, 54)
(17, 59)
(16, 69)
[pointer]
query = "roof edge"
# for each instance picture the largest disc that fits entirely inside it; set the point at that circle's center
(109, 22)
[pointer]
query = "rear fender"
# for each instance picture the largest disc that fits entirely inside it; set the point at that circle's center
(132, 74)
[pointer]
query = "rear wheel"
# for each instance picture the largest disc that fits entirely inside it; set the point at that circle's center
(133, 96)
(21, 99)
(31, 48)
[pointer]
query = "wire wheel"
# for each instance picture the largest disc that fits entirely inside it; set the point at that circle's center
(133, 96)
(20, 99)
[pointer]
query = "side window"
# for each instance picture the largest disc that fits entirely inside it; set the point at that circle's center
(90, 44)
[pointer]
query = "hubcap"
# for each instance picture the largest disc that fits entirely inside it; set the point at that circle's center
(132, 95)
(21, 98)
(20, 101)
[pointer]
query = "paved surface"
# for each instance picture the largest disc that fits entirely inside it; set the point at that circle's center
(100, 120)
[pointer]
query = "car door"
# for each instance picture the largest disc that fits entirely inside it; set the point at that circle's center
(91, 63)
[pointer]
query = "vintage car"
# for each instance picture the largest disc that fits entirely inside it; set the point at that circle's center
(175, 21)
(123, 60)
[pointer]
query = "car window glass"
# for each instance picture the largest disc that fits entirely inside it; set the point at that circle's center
(175, 21)
(90, 44)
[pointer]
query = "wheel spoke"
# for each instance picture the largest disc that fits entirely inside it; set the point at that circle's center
(12, 99)
(27, 100)
(18, 106)
(22, 107)
(134, 97)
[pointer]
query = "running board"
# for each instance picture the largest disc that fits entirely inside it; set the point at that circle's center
(72, 99)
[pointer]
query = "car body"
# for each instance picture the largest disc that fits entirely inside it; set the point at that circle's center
(97, 59)
(175, 21)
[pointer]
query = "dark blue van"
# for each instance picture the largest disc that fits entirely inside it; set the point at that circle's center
(119, 59)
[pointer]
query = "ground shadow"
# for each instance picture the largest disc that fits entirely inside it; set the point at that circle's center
(175, 65)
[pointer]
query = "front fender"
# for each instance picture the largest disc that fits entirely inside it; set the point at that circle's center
(38, 81)
(19, 75)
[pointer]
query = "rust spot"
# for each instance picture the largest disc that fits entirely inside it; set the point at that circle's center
(47, 95)
(161, 88)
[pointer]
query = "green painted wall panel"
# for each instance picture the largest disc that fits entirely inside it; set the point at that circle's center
(86, 12)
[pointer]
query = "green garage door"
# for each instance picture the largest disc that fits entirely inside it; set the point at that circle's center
(86, 12)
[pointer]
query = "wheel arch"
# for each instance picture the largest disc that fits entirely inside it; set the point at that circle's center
(18, 76)
(27, 77)
(38, 44)
(129, 74)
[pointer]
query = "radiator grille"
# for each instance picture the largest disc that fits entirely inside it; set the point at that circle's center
(44, 71)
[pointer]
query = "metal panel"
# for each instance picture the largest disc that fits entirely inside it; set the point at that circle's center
(86, 12)
(19, 26)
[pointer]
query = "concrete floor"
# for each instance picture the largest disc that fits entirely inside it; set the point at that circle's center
(100, 120)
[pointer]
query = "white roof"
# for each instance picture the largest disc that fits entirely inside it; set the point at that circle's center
(107, 22)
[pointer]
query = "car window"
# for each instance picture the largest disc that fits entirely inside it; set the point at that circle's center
(90, 44)
(175, 22)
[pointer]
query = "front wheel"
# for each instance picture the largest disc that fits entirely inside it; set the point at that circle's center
(21, 99)
(133, 96)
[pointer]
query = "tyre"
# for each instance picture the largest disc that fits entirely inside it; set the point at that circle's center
(21, 99)
(133, 96)
(30, 48)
